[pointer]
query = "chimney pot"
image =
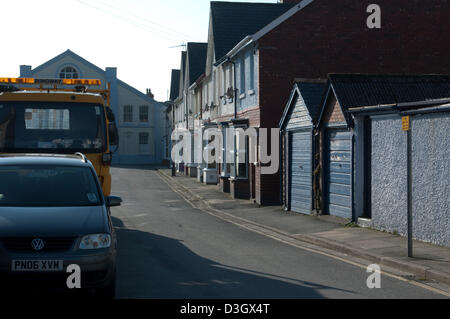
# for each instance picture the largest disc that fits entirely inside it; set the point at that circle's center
(149, 93)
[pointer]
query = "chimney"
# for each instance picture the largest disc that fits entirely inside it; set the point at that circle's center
(25, 71)
(149, 93)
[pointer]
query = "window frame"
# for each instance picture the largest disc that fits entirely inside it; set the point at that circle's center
(128, 116)
(252, 71)
(147, 138)
(242, 83)
(144, 115)
(65, 70)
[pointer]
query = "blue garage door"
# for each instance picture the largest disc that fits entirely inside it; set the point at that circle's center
(338, 173)
(300, 163)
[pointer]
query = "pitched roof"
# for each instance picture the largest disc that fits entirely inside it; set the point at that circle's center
(65, 54)
(174, 85)
(88, 64)
(385, 93)
(312, 93)
(233, 21)
(182, 73)
(196, 58)
(183, 63)
(359, 90)
(299, 5)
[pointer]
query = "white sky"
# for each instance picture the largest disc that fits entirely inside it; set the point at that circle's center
(132, 35)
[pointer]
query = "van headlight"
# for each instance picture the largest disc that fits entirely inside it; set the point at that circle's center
(96, 241)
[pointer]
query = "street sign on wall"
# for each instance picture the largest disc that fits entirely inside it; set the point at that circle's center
(406, 124)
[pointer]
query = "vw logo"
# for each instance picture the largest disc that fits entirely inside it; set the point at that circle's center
(37, 244)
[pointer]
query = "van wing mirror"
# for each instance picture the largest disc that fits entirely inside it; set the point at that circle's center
(112, 130)
(113, 201)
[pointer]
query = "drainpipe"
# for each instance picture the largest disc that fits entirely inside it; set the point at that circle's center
(186, 108)
(280, 160)
(354, 219)
(235, 109)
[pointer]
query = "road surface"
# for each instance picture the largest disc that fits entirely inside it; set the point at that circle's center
(168, 249)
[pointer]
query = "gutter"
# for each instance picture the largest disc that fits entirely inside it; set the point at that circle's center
(266, 29)
(426, 110)
(238, 47)
(396, 106)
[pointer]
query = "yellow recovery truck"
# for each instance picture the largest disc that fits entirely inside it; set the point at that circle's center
(59, 116)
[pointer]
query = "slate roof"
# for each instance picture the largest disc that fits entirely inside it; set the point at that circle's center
(174, 85)
(196, 55)
(233, 21)
(90, 65)
(358, 90)
(182, 73)
(312, 94)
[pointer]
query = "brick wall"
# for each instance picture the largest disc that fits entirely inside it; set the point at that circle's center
(333, 112)
(252, 114)
(332, 37)
(240, 189)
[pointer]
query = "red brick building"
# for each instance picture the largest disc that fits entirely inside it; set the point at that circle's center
(315, 38)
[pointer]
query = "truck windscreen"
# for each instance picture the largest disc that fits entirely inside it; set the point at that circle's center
(52, 127)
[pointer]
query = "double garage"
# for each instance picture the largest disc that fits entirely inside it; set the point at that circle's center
(317, 167)
(337, 180)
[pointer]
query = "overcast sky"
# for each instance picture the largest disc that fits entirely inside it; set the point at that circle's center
(133, 35)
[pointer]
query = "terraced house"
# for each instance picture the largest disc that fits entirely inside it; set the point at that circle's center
(257, 51)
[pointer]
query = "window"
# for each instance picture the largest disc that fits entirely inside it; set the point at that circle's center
(39, 127)
(68, 73)
(224, 81)
(143, 138)
(143, 113)
(128, 113)
(252, 71)
(242, 69)
(45, 185)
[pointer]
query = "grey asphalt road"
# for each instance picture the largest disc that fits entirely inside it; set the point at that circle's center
(168, 249)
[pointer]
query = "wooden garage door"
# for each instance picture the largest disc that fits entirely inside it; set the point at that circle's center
(338, 173)
(300, 163)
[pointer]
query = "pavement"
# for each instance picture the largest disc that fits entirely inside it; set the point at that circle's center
(430, 263)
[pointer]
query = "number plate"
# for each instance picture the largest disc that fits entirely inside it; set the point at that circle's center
(37, 265)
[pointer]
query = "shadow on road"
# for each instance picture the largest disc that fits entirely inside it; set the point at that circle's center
(153, 266)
